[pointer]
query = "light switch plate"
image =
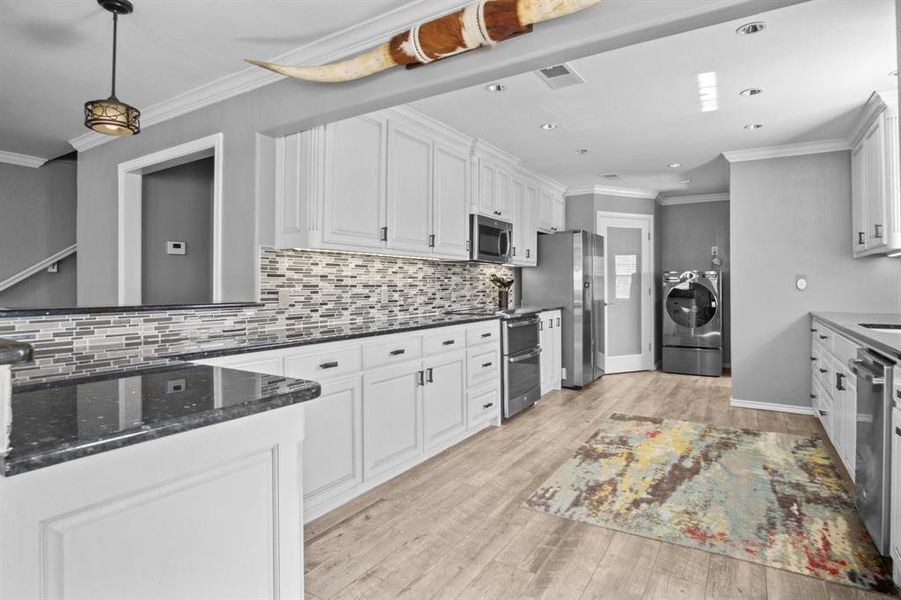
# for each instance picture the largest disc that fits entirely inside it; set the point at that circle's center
(173, 386)
(176, 247)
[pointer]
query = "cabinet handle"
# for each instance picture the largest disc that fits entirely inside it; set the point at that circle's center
(839, 383)
(514, 250)
(550, 323)
(528, 252)
(468, 245)
(824, 337)
(823, 413)
(860, 241)
(558, 321)
(329, 365)
(897, 430)
(486, 365)
(420, 375)
(814, 396)
(878, 233)
(486, 335)
(397, 352)
(553, 229)
(813, 358)
(383, 234)
(431, 240)
(448, 342)
(490, 404)
(824, 370)
(430, 375)
(813, 330)
(498, 213)
(540, 325)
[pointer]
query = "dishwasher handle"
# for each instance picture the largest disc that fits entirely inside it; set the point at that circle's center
(858, 367)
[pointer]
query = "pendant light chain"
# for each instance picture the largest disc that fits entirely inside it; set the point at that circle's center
(115, 31)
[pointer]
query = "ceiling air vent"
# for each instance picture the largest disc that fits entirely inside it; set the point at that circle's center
(610, 176)
(559, 76)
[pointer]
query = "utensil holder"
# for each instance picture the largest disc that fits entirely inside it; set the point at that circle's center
(503, 299)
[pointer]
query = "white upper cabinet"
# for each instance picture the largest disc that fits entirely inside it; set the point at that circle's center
(450, 206)
(876, 202)
(409, 189)
(355, 211)
(398, 182)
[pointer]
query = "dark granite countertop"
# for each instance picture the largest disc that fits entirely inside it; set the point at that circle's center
(13, 352)
(65, 420)
(849, 324)
(288, 338)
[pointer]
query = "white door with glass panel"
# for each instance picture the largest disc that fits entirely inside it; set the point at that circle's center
(628, 268)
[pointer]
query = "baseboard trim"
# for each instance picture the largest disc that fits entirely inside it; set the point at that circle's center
(787, 408)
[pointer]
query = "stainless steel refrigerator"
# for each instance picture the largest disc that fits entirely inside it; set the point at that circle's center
(570, 274)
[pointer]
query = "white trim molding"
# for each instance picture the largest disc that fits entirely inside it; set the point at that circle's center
(129, 212)
(786, 150)
(723, 197)
(330, 48)
(22, 160)
(786, 408)
(612, 191)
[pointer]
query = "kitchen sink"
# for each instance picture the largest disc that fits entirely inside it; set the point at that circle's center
(882, 327)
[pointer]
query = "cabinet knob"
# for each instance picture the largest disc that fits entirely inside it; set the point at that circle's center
(823, 413)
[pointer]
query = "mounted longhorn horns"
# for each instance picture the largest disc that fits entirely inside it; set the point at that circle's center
(481, 23)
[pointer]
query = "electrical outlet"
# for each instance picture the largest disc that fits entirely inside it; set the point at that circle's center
(176, 247)
(173, 386)
(714, 251)
(284, 298)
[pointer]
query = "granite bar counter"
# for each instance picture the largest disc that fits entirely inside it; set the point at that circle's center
(850, 325)
(60, 421)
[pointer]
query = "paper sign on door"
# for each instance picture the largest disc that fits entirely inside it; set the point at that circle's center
(625, 266)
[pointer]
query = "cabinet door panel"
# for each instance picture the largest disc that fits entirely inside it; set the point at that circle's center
(444, 398)
(450, 219)
(530, 228)
(874, 164)
(355, 205)
(503, 194)
(332, 456)
(858, 199)
(520, 221)
(545, 210)
(895, 501)
(544, 340)
(409, 200)
(391, 418)
(487, 190)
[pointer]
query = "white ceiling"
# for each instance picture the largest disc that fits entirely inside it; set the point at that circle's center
(55, 54)
(639, 109)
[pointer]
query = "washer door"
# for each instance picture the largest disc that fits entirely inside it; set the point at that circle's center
(691, 305)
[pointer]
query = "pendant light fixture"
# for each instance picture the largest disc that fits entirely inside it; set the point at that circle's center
(111, 116)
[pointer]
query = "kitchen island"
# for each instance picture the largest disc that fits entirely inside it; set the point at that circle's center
(99, 498)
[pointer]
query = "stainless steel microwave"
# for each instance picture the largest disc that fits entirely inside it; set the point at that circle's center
(491, 239)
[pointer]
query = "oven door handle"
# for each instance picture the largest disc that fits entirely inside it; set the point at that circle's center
(524, 357)
(522, 323)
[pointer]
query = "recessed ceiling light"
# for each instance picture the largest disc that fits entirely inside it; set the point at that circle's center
(495, 87)
(685, 180)
(583, 151)
(751, 28)
(750, 92)
(674, 165)
(549, 125)
(753, 126)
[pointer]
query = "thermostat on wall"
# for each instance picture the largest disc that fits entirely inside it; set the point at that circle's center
(176, 247)
(801, 282)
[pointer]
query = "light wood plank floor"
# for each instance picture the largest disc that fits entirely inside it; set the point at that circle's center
(454, 528)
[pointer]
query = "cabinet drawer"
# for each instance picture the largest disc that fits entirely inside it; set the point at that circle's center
(484, 366)
(482, 333)
(321, 365)
(822, 335)
(444, 340)
(843, 348)
(825, 372)
(392, 351)
(824, 409)
(484, 403)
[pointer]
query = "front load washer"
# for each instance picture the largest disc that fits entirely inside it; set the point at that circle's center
(692, 323)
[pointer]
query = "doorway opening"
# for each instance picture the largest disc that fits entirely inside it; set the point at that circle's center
(628, 273)
(170, 225)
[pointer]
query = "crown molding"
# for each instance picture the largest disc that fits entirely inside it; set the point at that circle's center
(723, 197)
(22, 160)
(613, 191)
(786, 150)
(340, 44)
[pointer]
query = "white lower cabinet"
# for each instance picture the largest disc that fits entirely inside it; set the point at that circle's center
(333, 455)
(833, 390)
(550, 340)
(895, 500)
(388, 402)
(391, 411)
(444, 398)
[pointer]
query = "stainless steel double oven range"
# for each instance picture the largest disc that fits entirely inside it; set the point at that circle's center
(521, 365)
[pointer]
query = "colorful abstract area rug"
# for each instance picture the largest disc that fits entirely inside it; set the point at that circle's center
(769, 498)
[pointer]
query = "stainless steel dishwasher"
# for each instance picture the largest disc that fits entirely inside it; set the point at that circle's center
(872, 471)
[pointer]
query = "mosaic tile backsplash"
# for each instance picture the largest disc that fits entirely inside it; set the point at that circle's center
(315, 288)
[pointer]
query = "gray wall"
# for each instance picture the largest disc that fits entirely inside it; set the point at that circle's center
(687, 231)
(289, 106)
(177, 205)
(792, 216)
(38, 209)
(581, 210)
